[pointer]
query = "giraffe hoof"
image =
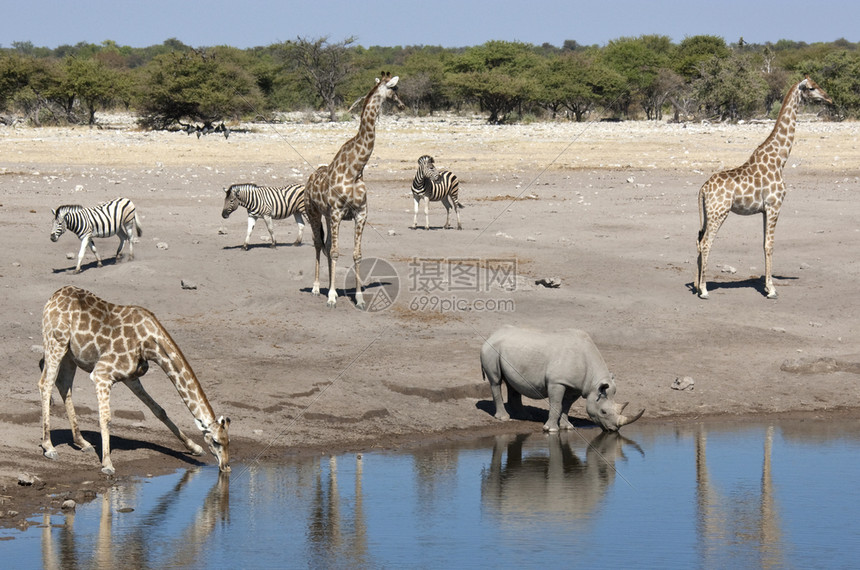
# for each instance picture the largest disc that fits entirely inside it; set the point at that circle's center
(51, 454)
(772, 295)
(109, 471)
(704, 295)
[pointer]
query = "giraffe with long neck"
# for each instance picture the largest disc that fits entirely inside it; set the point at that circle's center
(756, 187)
(336, 191)
(114, 344)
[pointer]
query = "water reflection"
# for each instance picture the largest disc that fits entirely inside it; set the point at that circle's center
(543, 475)
(742, 519)
(115, 542)
(694, 495)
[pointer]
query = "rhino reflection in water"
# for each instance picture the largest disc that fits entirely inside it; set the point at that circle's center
(561, 366)
(543, 475)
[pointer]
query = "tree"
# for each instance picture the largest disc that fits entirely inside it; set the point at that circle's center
(196, 86)
(498, 75)
(325, 67)
(639, 60)
(730, 88)
(578, 82)
(93, 84)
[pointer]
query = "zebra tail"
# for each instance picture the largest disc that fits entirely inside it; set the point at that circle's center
(138, 230)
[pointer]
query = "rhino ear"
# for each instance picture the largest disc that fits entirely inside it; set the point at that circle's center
(601, 390)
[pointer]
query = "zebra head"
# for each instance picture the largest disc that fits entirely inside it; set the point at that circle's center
(427, 168)
(59, 226)
(231, 200)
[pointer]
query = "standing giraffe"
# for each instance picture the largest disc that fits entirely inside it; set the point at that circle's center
(337, 192)
(113, 343)
(755, 187)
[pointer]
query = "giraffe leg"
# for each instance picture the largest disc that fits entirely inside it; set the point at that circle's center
(64, 384)
(137, 388)
(360, 220)
(333, 228)
(251, 222)
(54, 355)
(103, 383)
(712, 226)
(770, 217)
(271, 227)
(301, 227)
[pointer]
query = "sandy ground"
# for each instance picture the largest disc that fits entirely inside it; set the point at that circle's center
(607, 210)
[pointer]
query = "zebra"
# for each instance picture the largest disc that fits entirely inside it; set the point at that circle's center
(117, 217)
(267, 202)
(435, 185)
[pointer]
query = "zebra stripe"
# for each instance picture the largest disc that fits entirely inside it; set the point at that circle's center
(117, 217)
(435, 186)
(267, 202)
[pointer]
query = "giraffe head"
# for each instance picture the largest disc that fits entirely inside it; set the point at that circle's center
(387, 88)
(59, 225)
(218, 441)
(810, 91)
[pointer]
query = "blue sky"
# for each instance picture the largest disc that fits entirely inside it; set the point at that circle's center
(448, 23)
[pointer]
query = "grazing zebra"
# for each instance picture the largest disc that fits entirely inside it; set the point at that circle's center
(267, 202)
(434, 186)
(117, 217)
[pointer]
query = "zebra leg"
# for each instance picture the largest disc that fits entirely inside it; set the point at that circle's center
(271, 227)
(300, 223)
(124, 236)
(457, 212)
(426, 212)
(417, 200)
(251, 221)
(447, 212)
(86, 241)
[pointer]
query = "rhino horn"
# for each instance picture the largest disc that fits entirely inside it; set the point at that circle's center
(624, 420)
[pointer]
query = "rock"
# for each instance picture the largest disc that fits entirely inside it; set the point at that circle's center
(70, 255)
(29, 480)
(685, 383)
(222, 232)
(162, 245)
(549, 282)
(190, 285)
(728, 269)
(69, 505)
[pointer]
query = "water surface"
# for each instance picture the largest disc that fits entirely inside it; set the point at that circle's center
(711, 495)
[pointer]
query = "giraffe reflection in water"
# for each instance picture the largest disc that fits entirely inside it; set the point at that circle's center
(125, 538)
(726, 520)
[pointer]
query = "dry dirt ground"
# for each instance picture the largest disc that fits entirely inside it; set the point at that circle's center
(607, 210)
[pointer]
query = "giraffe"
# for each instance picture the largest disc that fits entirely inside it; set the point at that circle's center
(114, 344)
(756, 187)
(336, 191)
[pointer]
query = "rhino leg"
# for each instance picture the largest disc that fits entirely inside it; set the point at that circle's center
(515, 402)
(556, 407)
(567, 401)
(493, 377)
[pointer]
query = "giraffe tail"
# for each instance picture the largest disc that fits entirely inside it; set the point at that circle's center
(701, 211)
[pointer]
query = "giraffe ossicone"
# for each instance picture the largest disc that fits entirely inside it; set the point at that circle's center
(336, 192)
(113, 343)
(755, 187)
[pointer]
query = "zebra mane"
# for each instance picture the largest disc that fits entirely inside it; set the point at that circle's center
(66, 208)
(243, 186)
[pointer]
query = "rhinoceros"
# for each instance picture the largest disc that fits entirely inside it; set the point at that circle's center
(561, 366)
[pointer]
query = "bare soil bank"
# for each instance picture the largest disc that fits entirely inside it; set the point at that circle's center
(608, 210)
